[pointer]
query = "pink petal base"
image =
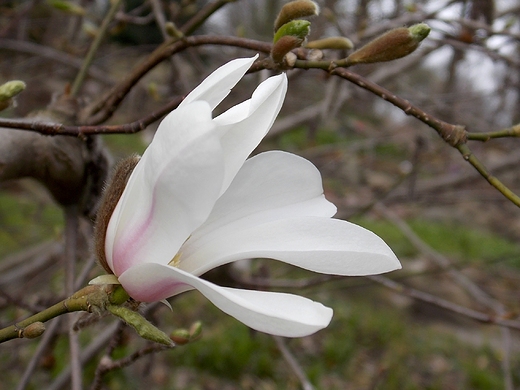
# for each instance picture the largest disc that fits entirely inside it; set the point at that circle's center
(275, 313)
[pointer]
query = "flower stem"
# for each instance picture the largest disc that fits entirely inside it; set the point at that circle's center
(90, 298)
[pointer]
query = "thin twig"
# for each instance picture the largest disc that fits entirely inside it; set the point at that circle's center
(200, 17)
(437, 301)
(71, 239)
(475, 291)
(454, 135)
(79, 131)
(80, 78)
(88, 354)
(107, 364)
(293, 363)
(104, 107)
(513, 131)
(50, 333)
(54, 55)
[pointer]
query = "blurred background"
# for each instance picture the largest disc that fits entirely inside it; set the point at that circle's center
(456, 236)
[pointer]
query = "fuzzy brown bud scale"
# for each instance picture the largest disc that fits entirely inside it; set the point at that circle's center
(295, 10)
(113, 192)
(336, 43)
(394, 44)
(283, 46)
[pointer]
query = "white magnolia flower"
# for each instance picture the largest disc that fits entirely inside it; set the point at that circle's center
(194, 202)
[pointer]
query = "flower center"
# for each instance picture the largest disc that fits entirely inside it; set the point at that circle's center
(176, 260)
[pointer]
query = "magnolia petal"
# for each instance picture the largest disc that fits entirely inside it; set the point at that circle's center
(270, 186)
(323, 245)
(219, 83)
(171, 191)
(243, 126)
(275, 313)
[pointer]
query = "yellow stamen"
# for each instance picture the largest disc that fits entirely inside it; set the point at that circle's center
(176, 260)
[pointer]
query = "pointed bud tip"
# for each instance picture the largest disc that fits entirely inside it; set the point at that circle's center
(195, 330)
(419, 31)
(295, 10)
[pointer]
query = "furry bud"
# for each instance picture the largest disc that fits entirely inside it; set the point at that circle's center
(295, 10)
(113, 192)
(392, 45)
(337, 43)
(283, 46)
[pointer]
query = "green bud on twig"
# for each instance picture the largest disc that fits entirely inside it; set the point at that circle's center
(8, 91)
(34, 330)
(195, 330)
(295, 10)
(180, 336)
(392, 45)
(337, 43)
(288, 37)
(172, 30)
(144, 328)
(118, 296)
(183, 336)
(296, 28)
(11, 89)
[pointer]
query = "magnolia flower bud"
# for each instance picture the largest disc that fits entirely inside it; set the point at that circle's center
(338, 43)
(11, 88)
(144, 328)
(8, 91)
(392, 45)
(288, 37)
(295, 10)
(113, 192)
(296, 28)
(180, 336)
(184, 336)
(34, 330)
(283, 46)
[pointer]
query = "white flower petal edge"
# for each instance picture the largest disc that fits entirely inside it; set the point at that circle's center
(218, 84)
(164, 201)
(243, 126)
(275, 208)
(271, 185)
(274, 313)
(323, 245)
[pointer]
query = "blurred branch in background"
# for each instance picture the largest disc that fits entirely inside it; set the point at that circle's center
(456, 236)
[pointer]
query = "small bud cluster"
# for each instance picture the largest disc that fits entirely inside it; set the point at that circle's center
(184, 336)
(290, 30)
